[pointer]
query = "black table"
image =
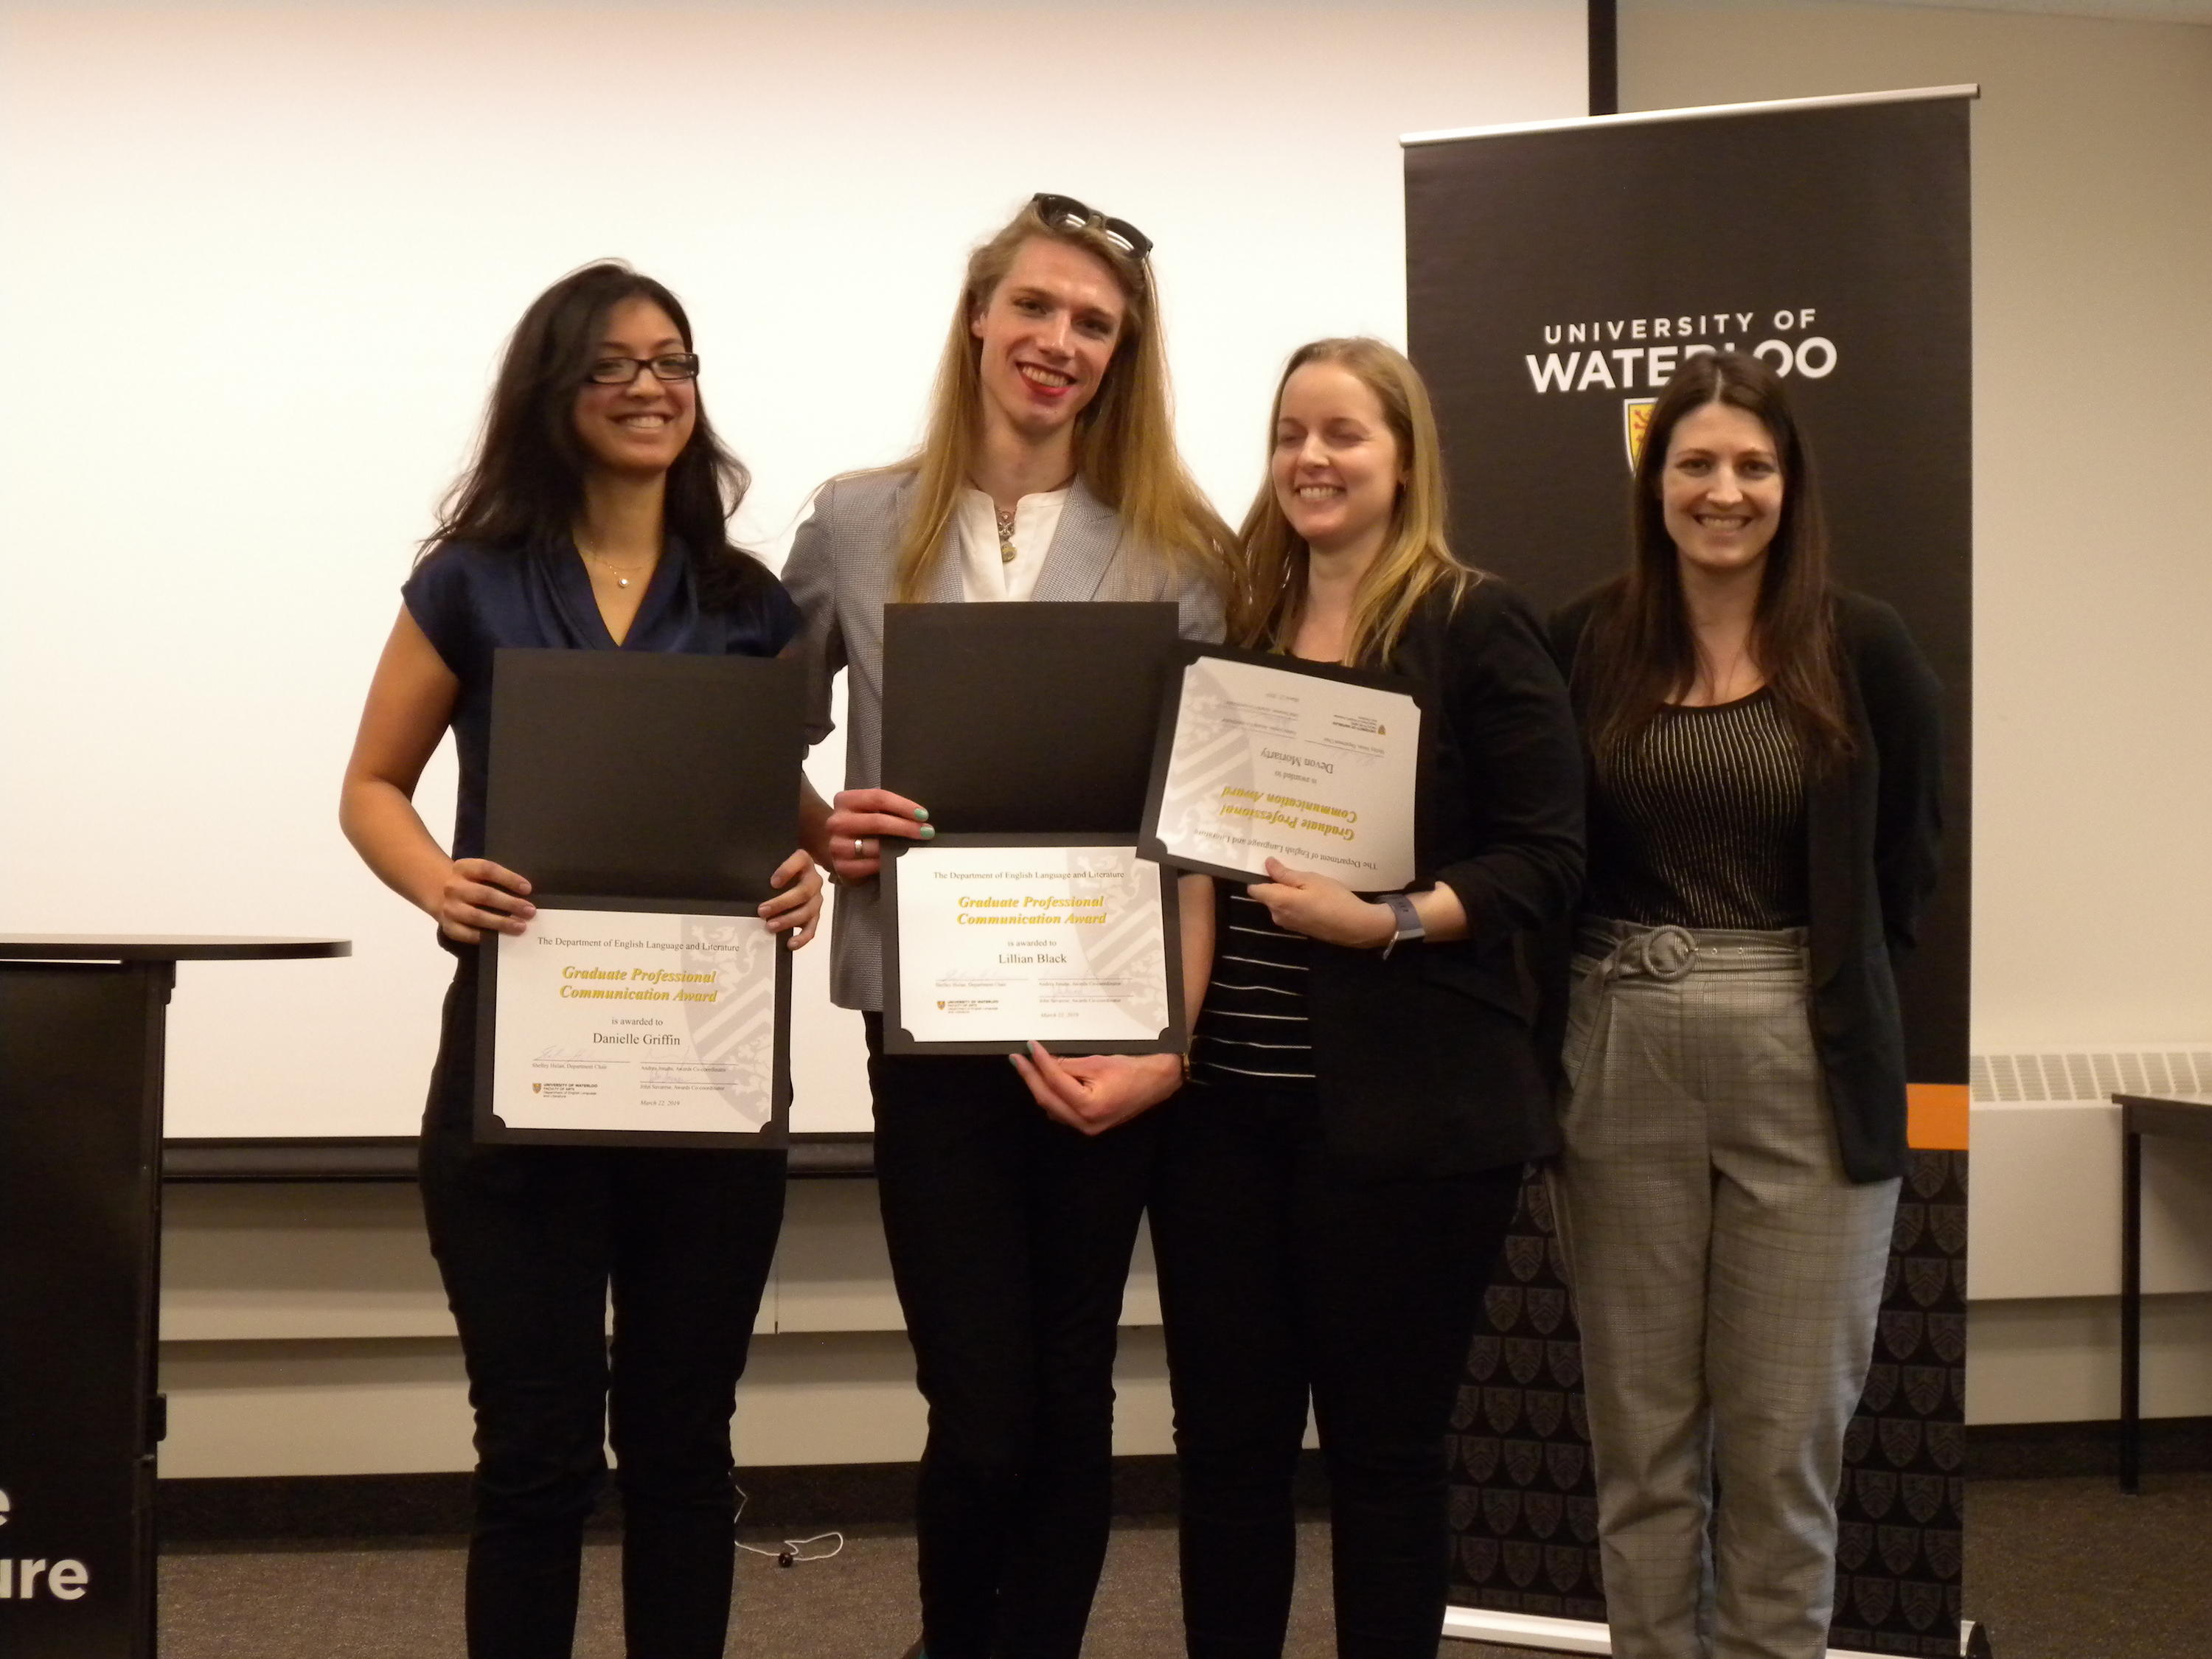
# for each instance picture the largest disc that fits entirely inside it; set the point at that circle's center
(2187, 1117)
(81, 1024)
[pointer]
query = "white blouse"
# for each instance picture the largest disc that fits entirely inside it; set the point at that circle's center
(985, 572)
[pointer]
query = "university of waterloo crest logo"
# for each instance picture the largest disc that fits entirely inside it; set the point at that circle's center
(1634, 422)
(537, 1088)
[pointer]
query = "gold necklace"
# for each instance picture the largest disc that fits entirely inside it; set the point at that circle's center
(614, 570)
(1005, 517)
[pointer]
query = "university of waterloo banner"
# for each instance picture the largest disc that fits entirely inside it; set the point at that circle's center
(1556, 277)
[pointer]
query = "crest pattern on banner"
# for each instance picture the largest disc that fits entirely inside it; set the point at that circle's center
(1524, 1506)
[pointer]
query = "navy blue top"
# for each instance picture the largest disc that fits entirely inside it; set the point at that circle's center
(470, 600)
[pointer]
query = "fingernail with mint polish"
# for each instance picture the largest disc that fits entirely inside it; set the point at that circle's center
(927, 830)
(922, 812)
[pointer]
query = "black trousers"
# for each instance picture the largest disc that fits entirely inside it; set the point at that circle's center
(531, 1240)
(1010, 1238)
(1281, 1281)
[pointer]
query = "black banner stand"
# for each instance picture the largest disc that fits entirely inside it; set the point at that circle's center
(82, 1024)
(1557, 275)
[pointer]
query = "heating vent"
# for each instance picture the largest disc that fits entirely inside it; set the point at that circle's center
(2008, 1078)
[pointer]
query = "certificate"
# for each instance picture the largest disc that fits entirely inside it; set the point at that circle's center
(634, 1024)
(1261, 757)
(998, 940)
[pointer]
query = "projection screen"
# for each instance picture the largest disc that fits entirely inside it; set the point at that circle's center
(261, 262)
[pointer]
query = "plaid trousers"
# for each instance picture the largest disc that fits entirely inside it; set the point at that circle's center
(1727, 1276)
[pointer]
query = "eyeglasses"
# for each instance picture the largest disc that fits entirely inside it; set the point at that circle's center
(622, 371)
(1065, 213)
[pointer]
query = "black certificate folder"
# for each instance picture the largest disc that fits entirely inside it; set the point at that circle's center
(1025, 719)
(644, 775)
(648, 798)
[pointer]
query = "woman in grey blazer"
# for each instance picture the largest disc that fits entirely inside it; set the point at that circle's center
(1048, 473)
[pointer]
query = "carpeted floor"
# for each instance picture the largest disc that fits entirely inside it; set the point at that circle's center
(2058, 1568)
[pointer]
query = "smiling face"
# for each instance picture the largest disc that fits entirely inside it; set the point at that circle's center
(1047, 334)
(1720, 491)
(643, 425)
(1336, 467)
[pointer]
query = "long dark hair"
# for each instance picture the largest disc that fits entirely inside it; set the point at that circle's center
(1641, 652)
(526, 486)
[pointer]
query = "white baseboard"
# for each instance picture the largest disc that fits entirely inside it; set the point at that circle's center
(1527, 1630)
(1530, 1630)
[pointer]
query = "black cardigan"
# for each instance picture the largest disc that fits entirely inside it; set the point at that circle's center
(1873, 830)
(1424, 1061)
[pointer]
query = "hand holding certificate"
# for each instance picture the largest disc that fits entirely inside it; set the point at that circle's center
(1267, 757)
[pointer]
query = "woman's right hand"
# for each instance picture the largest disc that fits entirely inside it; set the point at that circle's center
(859, 819)
(478, 896)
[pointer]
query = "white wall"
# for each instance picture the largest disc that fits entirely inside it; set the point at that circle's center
(261, 260)
(2094, 205)
(304, 1332)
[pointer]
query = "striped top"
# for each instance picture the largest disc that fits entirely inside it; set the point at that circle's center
(1701, 820)
(1253, 1029)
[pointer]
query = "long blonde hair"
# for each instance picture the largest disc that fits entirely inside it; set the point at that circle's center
(1124, 441)
(1269, 595)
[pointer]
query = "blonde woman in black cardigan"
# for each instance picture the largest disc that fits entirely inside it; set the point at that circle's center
(1336, 1181)
(1766, 766)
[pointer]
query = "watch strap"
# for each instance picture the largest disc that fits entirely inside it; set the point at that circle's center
(1408, 919)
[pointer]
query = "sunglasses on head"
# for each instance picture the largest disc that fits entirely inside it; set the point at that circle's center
(1065, 213)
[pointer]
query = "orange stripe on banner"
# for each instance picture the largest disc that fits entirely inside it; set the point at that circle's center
(1935, 1116)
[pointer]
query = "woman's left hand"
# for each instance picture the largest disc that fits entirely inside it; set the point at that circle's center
(1321, 907)
(1098, 1092)
(795, 911)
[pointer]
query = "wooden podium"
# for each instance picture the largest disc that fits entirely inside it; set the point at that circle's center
(82, 1024)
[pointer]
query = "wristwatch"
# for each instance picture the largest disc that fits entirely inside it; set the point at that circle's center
(1408, 918)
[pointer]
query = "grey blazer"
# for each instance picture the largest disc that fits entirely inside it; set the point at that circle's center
(840, 571)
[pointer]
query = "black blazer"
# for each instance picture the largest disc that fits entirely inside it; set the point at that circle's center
(1873, 840)
(1424, 1061)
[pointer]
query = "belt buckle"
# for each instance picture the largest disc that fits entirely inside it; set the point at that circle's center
(1668, 953)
